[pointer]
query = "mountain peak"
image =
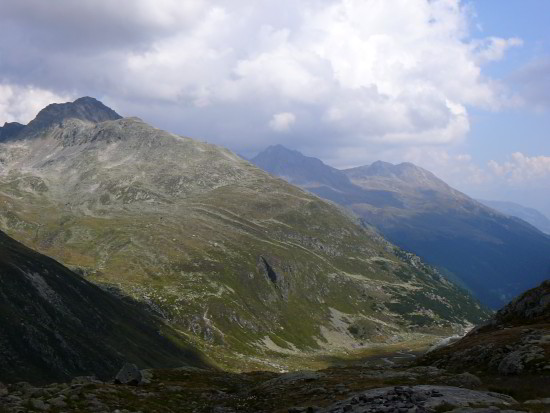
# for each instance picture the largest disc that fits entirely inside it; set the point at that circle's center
(85, 108)
(9, 130)
(300, 169)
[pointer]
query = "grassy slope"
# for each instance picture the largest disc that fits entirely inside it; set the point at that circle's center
(197, 235)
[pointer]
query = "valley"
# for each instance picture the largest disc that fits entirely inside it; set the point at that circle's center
(222, 287)
(223, 252)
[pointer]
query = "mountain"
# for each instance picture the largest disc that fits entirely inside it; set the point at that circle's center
(530, 215)
(514, 341)
(494, 255)
(243, 263)
(10, 130)
(55, 325)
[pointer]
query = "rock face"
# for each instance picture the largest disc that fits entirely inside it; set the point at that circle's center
(9, 130)
(485, 250)
(54, 324)
(417, 399)
(218, 248)
(515, 340)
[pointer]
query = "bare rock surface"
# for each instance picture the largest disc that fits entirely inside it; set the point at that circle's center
(129, 374)
(416, 399)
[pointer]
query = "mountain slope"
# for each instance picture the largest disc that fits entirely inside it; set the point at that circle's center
(55, 325)
(494, 255)
(236, 258)
(530, 215)
(516, 340)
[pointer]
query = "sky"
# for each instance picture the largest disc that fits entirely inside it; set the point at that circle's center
(461, 88)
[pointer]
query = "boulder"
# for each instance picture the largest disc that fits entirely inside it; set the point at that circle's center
(3, 390)
(418, 399)
(129, 374)
(467, 380)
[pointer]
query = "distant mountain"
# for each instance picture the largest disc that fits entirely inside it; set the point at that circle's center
(242, 262)
(494, 255)
(530, 215)
(55, 325)
(10, 130)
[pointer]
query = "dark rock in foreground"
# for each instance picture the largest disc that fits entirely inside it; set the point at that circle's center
(417, 399)
(129, 374)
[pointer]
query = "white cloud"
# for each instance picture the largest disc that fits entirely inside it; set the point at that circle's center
(355, 72)
(493, 48)
(21, 104)
(521, 169)
(281, 122)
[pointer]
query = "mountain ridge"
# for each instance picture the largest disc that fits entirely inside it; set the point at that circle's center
(419, 212)
(224, 251)
(529, 215)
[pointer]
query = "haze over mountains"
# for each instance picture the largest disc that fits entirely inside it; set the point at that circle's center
(239, 261)
(494, 255)
(530, 215)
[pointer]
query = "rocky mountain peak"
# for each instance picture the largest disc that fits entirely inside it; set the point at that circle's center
(280, 153)
(298, 168)
(85, 108)
(9, 130)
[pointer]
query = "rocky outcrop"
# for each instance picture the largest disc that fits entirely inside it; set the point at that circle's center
(417, 399)
(515, 340)
(10, 130)
(129, 374)
(531, 307)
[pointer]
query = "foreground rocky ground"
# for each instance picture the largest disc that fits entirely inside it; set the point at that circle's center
(502, 366)
(366, 387)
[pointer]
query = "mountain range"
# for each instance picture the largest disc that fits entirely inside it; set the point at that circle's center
(496, 256)
(530, 215)
(237, 261)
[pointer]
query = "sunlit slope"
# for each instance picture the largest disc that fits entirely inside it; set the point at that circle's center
(222, 250)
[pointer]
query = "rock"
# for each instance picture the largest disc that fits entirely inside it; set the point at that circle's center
(147, 376)
(538, 401)
(129, 374)
(514, 362)
(288, 378)
(83, 380)
(483, 410)
(467, 380)
(3, 390)
(417, 399)
(58, 401)
(39, 404)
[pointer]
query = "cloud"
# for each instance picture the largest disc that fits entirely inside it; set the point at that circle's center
(354, 72)
(493, 48)
(281, 122)
(521, 169)
(21, 104)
